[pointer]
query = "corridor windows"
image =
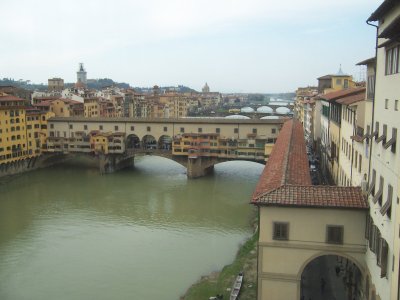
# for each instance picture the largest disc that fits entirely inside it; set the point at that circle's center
(334, 234)
(281, 231)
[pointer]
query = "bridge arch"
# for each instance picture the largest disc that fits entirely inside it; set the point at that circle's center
(327, 275)
(132, 142)
(165, 142)
(149, 142)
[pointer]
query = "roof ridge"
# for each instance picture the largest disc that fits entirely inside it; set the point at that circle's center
(286, 158)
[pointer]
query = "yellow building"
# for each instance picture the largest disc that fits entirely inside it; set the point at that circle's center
(91, 107)
(36, 131)
(214, 145)
(335, 82)
(12, 129)
(66, 108)
(99, 141)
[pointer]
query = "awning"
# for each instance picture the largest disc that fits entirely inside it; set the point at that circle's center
(392, 31)
(388, 202)
(380, 191)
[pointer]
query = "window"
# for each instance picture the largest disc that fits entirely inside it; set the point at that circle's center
(334, 234)
(148, 128)
(182, 130)
(165, 128)
(281, 231)
(273, 130)
(200, 130)
(235, 130)
(254, 130)
(132, 128)
(371, 87)
(217, 130)
(346, 83)
(85, 127)
(386, 103)
(70, 126)
(338, 81)
(116, 128)
(382, 255)
(51, 126)
(396, 105)
(392, 60)
(100, 127)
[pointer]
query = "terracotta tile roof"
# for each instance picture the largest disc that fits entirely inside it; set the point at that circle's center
(352, 98)
(288, 162)
(333, 96)
(286, 181)
(10, 98)
(315, 196)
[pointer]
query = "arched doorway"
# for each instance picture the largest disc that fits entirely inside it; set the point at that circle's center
(331, 277)
(132, 142)
(165, 143)
(149, 142)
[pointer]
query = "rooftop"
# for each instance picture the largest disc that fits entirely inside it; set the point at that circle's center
(286, 181)
(283, 167)
(333, 96)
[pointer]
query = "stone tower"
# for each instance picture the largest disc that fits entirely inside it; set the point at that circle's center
(81, 76)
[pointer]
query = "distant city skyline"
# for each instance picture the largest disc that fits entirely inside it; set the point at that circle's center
(234, 46)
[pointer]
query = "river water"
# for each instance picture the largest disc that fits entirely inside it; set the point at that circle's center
(147, 232)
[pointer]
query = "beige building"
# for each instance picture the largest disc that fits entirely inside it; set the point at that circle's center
(300, 223)
(55, 84)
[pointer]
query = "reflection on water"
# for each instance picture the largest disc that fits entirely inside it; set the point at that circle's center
(143, 233)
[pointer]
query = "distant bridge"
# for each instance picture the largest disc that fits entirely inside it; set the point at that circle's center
(198, 144)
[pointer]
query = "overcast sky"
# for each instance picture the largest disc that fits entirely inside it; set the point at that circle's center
(234, 45)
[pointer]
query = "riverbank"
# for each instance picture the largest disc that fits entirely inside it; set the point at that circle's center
(221, 282)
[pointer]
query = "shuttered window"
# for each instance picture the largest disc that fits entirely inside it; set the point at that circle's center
(334, 234)
(281, 231)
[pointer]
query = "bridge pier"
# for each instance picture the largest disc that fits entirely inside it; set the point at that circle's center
(109, 163)
(200, 166)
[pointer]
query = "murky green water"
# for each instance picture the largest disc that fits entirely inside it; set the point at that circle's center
(144, 233)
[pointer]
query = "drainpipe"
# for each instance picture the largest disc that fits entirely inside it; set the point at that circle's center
(373, 101)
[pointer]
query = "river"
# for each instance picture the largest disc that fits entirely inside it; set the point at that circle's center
(148, 232)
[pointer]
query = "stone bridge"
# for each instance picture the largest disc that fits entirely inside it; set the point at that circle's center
(197, 143)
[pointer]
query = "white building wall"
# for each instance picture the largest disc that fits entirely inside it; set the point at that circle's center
(387, 165)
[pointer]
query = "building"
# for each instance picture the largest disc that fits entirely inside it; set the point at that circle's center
(332, 103)
(55, 84)
(12, 128)
(353, 165)
(23, 130)
(383, 252)
(300, 223)
(335, 82)
(206, 88)
(81, 80)
(66, 108)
